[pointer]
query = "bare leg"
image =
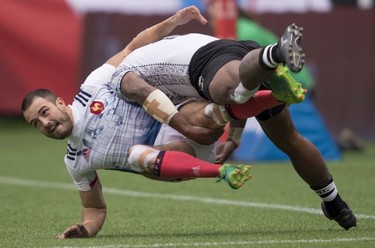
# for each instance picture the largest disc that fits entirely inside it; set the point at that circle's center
(258, 64)
(252, 74)
(227, 78)
(225, 82)
(310, 165)
(305, 157)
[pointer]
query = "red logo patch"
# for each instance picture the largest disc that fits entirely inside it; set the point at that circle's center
(96, 107)
(86, 153)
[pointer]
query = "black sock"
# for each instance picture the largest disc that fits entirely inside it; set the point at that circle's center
(268, 57)
(332, 200)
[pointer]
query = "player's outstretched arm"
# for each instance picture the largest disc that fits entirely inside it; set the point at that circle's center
(158, 31)
(165, 27)
(93, 215)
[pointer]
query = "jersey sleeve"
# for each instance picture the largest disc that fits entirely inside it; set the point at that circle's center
(83, 181)
(99, 76)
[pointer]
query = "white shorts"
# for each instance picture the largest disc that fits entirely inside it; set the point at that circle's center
(168, 135)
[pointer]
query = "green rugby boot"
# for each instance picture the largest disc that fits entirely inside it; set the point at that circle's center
(235, 175)
(285, 88)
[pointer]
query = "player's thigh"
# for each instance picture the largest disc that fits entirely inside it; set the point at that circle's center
(224, 82)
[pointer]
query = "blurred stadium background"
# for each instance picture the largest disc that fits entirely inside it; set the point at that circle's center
(56, 44)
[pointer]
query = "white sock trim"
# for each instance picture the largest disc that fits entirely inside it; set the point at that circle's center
(242, 95)
(329, 188)
(331, 196)
(269, 62)
(271, 58)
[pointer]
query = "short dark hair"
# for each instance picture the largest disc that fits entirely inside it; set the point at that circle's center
(43, 93)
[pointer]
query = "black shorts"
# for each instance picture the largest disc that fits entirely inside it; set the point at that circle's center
(268, 113)
(208, 59)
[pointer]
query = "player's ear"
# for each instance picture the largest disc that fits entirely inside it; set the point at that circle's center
(60, 103)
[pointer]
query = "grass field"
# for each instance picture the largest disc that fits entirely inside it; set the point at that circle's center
(275, 209)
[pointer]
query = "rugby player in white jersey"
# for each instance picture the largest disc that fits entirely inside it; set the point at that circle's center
(226, 72)
(101, 129)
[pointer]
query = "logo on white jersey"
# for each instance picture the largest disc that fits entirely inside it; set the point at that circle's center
(96, 107)
(86, 153)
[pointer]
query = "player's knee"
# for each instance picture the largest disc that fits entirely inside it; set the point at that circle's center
(135, 88)
(142, 158)
(128, 83)
(123, 88)
(220, 93)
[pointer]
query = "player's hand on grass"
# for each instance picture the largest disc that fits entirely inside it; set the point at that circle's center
(189, 13)
(76, 231)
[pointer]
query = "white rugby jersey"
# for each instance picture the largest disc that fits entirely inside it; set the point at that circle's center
(105, 127)
(164, 65)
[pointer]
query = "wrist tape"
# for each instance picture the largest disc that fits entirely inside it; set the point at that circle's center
(158, 105)
(217, 113)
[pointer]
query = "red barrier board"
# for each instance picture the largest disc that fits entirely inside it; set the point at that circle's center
(39, 48)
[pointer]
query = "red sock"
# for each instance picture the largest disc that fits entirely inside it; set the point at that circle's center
(178, 165)
(261, 101)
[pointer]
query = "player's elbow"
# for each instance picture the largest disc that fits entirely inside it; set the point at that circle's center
(135, 88)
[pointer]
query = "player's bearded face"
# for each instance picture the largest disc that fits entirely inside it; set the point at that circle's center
(60, 127)
(50, 119)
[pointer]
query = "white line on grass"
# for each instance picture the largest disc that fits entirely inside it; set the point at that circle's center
(255, 242)
(45, 184)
